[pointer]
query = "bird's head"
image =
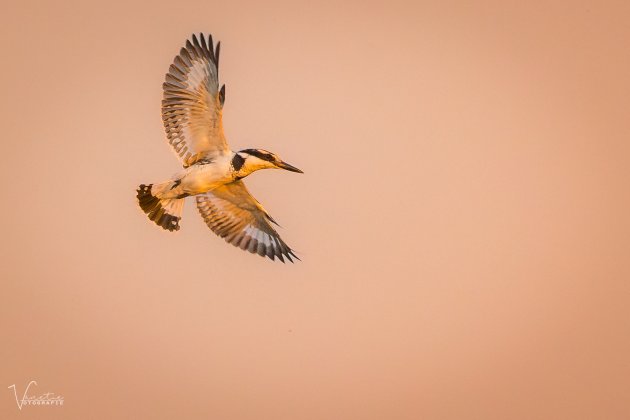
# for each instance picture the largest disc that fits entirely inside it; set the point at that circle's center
(250, 160)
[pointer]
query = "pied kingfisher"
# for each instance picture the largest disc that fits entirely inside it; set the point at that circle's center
(192, 109)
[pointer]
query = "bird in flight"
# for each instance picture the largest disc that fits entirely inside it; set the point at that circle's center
(192, 109)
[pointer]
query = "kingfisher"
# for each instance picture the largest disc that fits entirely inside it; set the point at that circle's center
(192, 110)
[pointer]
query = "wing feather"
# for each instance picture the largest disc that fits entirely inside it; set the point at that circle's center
(233, 213)
(192, 105)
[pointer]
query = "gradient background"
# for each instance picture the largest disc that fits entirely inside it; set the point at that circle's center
(462, 219)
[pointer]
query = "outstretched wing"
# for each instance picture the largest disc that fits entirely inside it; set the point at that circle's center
(233, 214)
(193, 103)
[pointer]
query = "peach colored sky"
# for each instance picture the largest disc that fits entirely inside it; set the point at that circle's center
(462, 219)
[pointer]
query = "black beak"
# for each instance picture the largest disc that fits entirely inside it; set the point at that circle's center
(288, 167)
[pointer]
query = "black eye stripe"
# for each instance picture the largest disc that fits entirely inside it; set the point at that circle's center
(259, 154)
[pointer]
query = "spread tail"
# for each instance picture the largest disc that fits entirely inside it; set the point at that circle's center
(165, 212)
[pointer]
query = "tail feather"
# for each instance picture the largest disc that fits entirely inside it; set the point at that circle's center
(164, 212)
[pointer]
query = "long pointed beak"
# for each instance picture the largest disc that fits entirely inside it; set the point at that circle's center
(288, 167)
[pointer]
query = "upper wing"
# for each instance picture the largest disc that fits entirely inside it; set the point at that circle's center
(192, 105)
(232, 213)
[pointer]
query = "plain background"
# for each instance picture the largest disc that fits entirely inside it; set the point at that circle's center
(462, 219)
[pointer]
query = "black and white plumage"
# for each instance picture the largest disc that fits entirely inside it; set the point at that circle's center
(192, 109)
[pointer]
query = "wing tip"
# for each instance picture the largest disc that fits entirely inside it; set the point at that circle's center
(206, 46)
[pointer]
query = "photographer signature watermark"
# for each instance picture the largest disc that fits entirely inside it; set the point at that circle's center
(48, 398)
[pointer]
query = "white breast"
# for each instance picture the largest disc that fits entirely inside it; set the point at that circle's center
(199, 179)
